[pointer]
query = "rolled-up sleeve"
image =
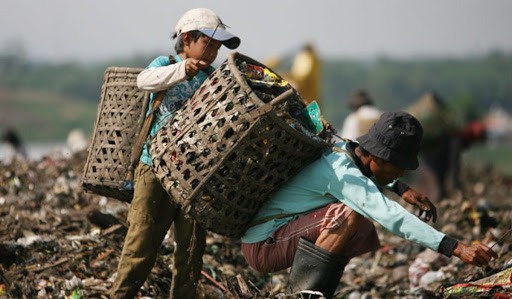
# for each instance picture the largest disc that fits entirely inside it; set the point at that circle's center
(161, 78)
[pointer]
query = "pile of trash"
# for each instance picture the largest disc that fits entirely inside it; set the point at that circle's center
(57, 241)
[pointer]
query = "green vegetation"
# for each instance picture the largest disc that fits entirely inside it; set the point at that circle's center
(45, 101)
(40, 115)
(469, 85)
(483, 155)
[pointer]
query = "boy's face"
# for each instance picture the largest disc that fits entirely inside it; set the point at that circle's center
(385, 172)
(195, 49)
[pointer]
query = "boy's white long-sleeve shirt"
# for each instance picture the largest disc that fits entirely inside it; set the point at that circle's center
(162, 77)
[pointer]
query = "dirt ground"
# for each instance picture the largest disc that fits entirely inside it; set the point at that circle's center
(57, 241)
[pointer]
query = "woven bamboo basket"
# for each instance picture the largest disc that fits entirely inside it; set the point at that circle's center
(118, 123)
(231, 146)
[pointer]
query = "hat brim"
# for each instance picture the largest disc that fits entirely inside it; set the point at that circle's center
(372, 146)
(229, 40)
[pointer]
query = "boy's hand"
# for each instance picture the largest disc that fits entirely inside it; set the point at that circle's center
(422, 202)
(193, 66)
(475, 254)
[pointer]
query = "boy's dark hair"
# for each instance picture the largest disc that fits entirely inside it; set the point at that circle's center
(194, 34)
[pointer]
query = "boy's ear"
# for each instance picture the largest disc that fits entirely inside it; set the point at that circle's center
(186, 38)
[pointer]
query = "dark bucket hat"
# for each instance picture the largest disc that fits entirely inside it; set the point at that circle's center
(396, 138)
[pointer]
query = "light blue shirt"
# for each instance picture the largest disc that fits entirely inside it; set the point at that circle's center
(336, 177)
(174, 98)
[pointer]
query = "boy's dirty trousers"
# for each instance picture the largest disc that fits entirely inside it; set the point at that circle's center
(149, 218)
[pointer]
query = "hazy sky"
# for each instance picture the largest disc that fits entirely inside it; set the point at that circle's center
(102, 29)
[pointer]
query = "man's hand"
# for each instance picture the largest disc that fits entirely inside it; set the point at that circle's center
(422, 202)
(193, 66)
(475, 254)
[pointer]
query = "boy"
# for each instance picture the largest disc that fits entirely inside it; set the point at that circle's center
(199, 35)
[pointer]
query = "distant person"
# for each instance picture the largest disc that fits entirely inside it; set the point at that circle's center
(446, 161)
(443, 144)
(364, 114)
(12, 137)
(76, 141)
(304, 74)
(199, 35)
(471, 134)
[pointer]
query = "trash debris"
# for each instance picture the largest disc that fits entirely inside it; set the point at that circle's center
(426, 269)
(57, 241)
(499, 283)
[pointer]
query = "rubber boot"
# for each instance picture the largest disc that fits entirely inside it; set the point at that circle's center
(315, 269)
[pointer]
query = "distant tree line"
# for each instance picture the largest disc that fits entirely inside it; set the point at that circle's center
(68, 78)
(470, 83)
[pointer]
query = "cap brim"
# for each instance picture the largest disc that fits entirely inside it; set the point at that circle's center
(373, 147)
(229, 40)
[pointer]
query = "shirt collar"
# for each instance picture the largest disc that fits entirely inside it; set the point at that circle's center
(351, 148)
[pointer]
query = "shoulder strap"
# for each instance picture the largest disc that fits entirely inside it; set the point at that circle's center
(144, 131)
(343, 151)
(172, 60)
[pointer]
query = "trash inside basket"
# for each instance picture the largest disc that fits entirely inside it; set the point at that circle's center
(233, 144)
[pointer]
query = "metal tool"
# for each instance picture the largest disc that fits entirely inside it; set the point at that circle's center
(491, 270)
(208, 43)
(505, 234)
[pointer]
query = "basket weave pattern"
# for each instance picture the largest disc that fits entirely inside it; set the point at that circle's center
(221, 159)
(119, 120)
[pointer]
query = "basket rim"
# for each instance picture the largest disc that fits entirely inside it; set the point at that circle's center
(240, 78)
(123, 69)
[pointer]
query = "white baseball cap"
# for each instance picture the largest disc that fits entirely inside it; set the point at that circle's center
(207, 22)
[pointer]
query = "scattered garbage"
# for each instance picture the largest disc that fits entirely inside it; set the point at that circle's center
(58, 241)
(427, 268)
(497, 285)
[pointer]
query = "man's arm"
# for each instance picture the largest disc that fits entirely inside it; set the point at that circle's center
(363, 196)
(417, 199)
(392, 216)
